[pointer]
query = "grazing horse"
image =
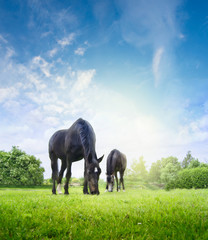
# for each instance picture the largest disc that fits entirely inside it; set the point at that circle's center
(116, 162)
(71, 145)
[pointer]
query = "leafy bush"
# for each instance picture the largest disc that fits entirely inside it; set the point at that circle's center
(18, 168)
(192, 178)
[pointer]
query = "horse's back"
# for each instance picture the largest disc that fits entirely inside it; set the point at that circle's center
(73, 141)
(120, 159)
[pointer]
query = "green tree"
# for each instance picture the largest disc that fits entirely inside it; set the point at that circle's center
(138, 169)
(169, 171)
(18, 168)
(186, 161)
(155, 172)
(194, 163)
(204, 165)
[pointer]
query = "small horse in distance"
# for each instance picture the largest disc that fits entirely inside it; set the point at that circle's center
(116, 162)
(71, 145)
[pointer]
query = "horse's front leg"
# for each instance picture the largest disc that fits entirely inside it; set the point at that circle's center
(85, 189)
(122, 181)
(68, 175)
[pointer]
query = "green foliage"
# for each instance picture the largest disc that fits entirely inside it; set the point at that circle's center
(169, 171)
(189, 161)
(18, 168)
(134, 214)
(204, 165)
(155, 172)
(186, 161)
(193, 178)
(48, 181)
(138, 170)
(194, 163)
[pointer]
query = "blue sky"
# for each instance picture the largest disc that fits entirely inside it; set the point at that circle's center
(136, 70)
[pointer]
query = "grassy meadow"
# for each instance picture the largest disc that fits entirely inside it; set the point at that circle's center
(134, 214)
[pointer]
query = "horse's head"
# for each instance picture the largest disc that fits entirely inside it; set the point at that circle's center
(93, 174)
(110, 182)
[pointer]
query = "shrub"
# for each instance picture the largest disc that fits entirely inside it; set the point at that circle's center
(193, 178)
(18, 168)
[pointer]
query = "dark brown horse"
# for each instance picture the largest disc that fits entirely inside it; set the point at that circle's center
(116, 162)
(71, 145)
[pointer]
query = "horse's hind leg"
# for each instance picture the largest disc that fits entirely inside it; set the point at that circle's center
(54, 167)
(63, 168)
(122, 180)
(68, 175)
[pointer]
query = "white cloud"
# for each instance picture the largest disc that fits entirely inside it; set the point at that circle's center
(84, 78)
(10, 52)
(194, 131)
(44, 66)
(67, 40)
(61, 81)
(2, 39)
(52, 52)
(80, 51)
(156, 64)
(37, 145)
(33, 78)
(149, 22)
(8, 93)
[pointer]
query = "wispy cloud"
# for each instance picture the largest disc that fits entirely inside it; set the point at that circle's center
(42, 64)
(80, 51)
(150, 25)
(2, 39)
(149, 22)
(156, 64)
(84, 78)
(67, 40)
(52, 52)
(8, 93)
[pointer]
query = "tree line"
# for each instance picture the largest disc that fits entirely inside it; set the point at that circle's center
(190, 173)
(19, 168)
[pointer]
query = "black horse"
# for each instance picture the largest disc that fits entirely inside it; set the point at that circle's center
(116, 162)
(71, 145)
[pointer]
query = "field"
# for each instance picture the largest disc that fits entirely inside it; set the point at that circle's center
(134, 214)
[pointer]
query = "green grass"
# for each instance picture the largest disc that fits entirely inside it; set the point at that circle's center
(134, 214)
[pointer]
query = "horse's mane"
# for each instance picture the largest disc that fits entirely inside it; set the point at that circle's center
(85, 135)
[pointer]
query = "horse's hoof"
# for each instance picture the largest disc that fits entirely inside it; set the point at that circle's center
(106, 190)
(124, 190)
(66, 193)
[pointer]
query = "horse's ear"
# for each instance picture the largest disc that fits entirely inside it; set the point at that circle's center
(100, 159)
